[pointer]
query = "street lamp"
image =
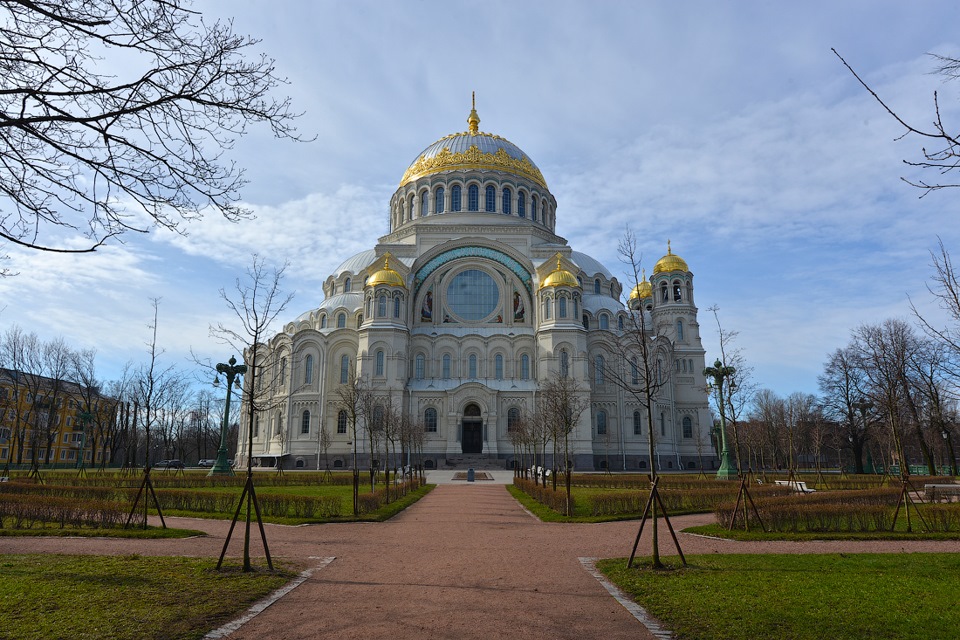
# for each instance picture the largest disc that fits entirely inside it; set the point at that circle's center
(231, 371)
(946, 436)
(719, 372)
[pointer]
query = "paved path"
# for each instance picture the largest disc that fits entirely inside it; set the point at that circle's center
(464, 562)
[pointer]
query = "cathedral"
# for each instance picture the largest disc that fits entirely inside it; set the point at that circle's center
(464, 310)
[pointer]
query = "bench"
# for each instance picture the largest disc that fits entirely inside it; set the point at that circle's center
(4, 478)
(935, 492)
(795, 485)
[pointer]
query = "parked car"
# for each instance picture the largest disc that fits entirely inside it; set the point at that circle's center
(206, 462)
(168, 464)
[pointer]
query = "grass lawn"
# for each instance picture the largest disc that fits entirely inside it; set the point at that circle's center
(755, 533)
(121, 597)
(800, 597)
(581, 511)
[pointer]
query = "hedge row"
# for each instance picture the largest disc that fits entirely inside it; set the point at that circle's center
(23, 511)
(556, 500)
(370, 502)
(675, 500)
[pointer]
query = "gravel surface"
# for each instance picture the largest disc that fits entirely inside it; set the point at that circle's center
(466, 561)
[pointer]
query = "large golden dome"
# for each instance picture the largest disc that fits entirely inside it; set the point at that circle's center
(473, 149)
(386, 276)
(670, 262)
(560, 277)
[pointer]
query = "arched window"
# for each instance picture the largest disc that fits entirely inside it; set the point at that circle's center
(283, 371)
(634, 372)
(543, 211)
(507, 202)
(664, 294)
(344, 369)
(680, 330)
(472, 365)
(419, 365)
(473, 198)
(619, 323)
(562, 307)
(677, 297)
(370, 307)
(396, 306)
(424, 204)
(663, 424)
(522, 204)
(576, 305)
(687, 427)
(498, 367)
(533, 209)
(524, 367)
(341, 320)
(341, 421)
(378, 417)
(601, 423)
(256, 427)
(359, 320)
(308, 370)
(604, 321)
(547, 308)
(513, 419)
(455, 199)
(596, 286)
(430, 420)
(446, 366)
(323, 322)
(438, 200)
(379, 363)
(381, 305)
(305, 422)
(346, 285)
(279, 422)
(586, 322)
(564, 363)
(490, 199)
(598, 367)
(637, 423)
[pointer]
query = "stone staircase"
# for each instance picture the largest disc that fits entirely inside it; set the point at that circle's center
(475, 461)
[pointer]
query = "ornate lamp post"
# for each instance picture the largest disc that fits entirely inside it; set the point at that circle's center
(231, 371)
(719, 372)
(946, 436)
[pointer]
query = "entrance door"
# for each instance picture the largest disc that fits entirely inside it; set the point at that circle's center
(472, 437)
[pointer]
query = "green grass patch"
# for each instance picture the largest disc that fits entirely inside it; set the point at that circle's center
(800, 597)
(149, 533)
(757, 534)
(123, 597)
(547, 514)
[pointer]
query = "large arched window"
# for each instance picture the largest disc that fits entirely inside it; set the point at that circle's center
(438, 200)
(598, 374)
(323, 322)
(283, 371)
(524, 367)
(341, 320)
(637, 423)
(305, 422)
(687, 427)
(472, 365)
(564, 363)
(664, 293)
(446, 366)
(601, 423)
(381, 305)
(420, 363)
(507, 204)
(424, 204)
(341, 421)
(344, 369)
(308, 370)
(522, 204)
(473, 198)
(379, 363)
(680, 330)
(533, 209)
(596, 286)
(513, 419)
(346, 285)
(634, 372)
(490, 199)
(455, 198)
(430, 420)
(498, 367)
(677, 295)
(396, 306)
(562, 307)
(604, 321)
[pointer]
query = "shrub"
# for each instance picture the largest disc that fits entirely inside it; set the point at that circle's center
(556, 500)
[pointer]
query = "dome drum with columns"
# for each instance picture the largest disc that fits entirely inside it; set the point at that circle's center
(462, 312)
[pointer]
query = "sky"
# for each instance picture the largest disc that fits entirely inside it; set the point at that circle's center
(729, 129)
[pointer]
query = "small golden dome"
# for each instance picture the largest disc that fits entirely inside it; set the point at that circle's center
(386, 276)
(670, 262)
(642, 290)
(560, 277)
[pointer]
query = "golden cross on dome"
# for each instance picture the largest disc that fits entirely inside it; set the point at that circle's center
(474, 120)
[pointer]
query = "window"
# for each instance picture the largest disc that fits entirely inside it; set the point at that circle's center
(473, 295)
(305, 422)
(472, 365)
(370, 307)
(342, 421)
(564, 363)
(576, 305)
(341, 320)
(547, 308)
(323, 322)
(586, 322)
(604, 321)
(256, 427)
(498, 367)
(379, 363)
(346, 285)
(637, 423)
(378, 417)
(663, 424)
(359, 320)
(676, 291)
(279, 422)
(562, 307)
(308, 370)
(598, 366)
(506, 205)
(419, 366)
(344, 369)
(687, 427)
(524, 367)
(396, 306)
(381, 306)
(424, 204)
(596, 286)
(533, 209)
(438, 200)
(513, 420)
(619, 323)
(601, 423)
(455, 204)
(430, 420)
(283, 371)
(664, 294)
(521, 204)
(473, 198)
(446, 366)
(679, 330)
(490, 199)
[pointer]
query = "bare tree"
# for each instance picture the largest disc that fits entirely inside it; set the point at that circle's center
(562, 403)
(352, 397)
(944, 158)
(843, 386)
(116, 116)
